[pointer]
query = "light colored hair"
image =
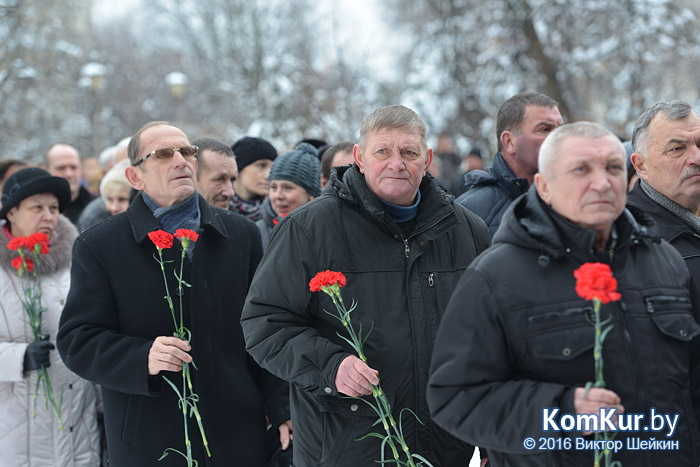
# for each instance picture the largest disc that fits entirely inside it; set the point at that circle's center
(393, 116)
(549, 151)
(673, 110)
(115, 176)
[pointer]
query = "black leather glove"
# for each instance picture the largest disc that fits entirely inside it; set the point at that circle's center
(37, 354)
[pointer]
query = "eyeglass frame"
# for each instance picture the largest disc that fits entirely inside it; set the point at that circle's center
(152, 153)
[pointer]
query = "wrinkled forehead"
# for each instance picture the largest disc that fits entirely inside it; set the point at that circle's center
(663, 129)
(576, 149)
(162, 136)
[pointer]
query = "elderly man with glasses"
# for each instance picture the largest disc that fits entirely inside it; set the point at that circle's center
(117, 329)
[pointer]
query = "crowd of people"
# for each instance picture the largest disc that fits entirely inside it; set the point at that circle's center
(463, 286)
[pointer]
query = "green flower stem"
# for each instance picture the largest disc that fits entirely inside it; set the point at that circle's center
(167, 291)
(605, 454)
(31, 302)
(383, 408)
(187, 397)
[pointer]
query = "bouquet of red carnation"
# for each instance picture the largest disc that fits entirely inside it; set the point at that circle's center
(29, 271)
(187, 397)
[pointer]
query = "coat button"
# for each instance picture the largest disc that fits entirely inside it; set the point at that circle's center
(62, 302)
(566, 352)
(328, 390)
(420, 243)
(683, 333)
(543, 261)
(354, 407)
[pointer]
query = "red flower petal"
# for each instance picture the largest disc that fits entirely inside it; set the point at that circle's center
(327, 278)
(18, 242)
(17, 263)
(187, 233)
(595, 281)
(161, 239)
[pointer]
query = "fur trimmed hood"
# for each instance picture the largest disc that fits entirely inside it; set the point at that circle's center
(61, 247)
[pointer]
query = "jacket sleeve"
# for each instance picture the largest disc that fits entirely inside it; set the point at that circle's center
(88, 340)
(277, 319)
(472, 392)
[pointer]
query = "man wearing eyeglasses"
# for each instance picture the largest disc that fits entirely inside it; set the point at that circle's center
(116, 328)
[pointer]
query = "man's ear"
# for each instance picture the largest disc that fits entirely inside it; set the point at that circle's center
(359, 157)
(429, 160)
(508, 141)
(542, 188)
(640, 165)
(133, 174)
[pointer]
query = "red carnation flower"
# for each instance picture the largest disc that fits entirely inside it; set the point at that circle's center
(187, 233)
(595, 281)
(326, 279)
(18, 264)
(39, 238)
(161, 239)
(18, 242)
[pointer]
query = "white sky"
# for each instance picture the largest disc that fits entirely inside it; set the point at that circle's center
(356, 23)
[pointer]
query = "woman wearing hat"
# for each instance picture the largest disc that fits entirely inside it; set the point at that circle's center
(295, 179)
(31, 202)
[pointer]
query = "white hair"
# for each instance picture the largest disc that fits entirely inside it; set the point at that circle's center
(549, 151)
(115, 175)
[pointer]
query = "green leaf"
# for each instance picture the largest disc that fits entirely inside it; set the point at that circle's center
(422, 459)
(605, 333)
(173, 386)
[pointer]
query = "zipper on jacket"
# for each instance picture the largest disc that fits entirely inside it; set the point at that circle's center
(406, 249)
(633, 356)
(664, 299)
(431, 279)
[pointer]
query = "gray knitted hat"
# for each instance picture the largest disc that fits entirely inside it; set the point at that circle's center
(300, 166)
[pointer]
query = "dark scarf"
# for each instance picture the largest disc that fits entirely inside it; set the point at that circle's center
(184, 215)
(250, 209)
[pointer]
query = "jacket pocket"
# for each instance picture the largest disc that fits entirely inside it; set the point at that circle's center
(345, 420)
(564, 345)
(131, 418)
(673, 316)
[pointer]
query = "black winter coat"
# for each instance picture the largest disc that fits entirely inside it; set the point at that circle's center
(672, 229)
(115, 309)
(401, 284)
(515, 340)
(490, 192)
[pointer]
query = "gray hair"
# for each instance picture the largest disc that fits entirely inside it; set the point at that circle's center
(549, 151)
(673, 110)
(393, 116)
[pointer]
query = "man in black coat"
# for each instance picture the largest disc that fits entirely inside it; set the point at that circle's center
(402, 244)
(522, 123)
(117, 330)
(517, 343)
(667, 158)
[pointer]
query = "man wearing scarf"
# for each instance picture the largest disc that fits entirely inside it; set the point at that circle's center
(116, 328)
(667, 158)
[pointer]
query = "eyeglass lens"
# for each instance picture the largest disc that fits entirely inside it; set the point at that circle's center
(167, 153)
